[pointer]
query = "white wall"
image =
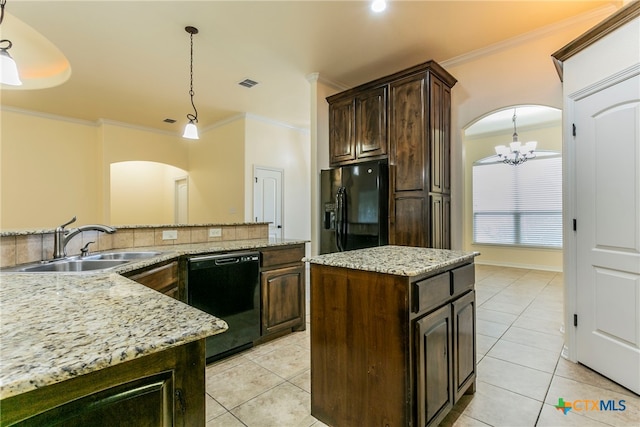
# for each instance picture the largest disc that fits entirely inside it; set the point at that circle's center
(516, 72)
(271, 144)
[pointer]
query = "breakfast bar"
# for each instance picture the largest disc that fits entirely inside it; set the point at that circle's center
(393, 335)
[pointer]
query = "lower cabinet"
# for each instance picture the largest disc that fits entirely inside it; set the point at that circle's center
(282, 289)
(282, 299)
(445, 358)
(390, 350)
(161, 389)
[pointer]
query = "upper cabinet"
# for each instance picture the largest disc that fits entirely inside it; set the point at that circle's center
(405, 118)
(358, 126)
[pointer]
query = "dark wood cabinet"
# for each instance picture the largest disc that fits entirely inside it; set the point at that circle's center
(162, 277)
(342, 131)
(434, 363)
(161, 389)
(405, 362)
(371, 123)
(358, 127)
(406, 118)
(464, 332)
(282, 288)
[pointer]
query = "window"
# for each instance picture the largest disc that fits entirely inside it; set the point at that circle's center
(518, 205)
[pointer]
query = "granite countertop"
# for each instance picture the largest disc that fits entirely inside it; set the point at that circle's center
(396, 260)
(56, 326)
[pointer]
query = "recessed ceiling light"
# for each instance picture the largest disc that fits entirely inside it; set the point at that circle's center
(378, 5)
(248, 83)
(169, 120)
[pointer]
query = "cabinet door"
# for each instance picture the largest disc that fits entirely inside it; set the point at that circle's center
(147, 401)
(282, 299)
(464, 344)
(409, 192)
(341, 131)
(159, 389)
(371, 123)
(440, 136)
(433, 371)
(440, 220)
(408, 133)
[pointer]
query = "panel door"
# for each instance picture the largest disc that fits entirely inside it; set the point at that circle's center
(267, 199)
(433, 370)
(607, 145)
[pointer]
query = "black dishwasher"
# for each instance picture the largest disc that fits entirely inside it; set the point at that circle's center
(227, 286)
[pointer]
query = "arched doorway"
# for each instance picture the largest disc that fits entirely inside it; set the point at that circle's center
(534, 122)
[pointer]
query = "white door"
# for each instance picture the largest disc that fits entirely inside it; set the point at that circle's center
(267, 199)
(181, 204)
(607, 145)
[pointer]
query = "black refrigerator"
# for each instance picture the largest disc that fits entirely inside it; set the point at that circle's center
(354, 207)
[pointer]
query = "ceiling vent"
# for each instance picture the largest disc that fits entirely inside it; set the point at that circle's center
(248, 83)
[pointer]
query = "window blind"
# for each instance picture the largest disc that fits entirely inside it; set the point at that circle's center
(518, 205)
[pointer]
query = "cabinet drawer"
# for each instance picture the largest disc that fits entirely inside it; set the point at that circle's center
(431, 293)
(286, 255)
(462, 279)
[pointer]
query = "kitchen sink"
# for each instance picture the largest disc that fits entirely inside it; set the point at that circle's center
(76, 264)
(122, 256)
(73, 265)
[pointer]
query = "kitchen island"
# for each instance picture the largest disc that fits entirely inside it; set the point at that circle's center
(392, 336)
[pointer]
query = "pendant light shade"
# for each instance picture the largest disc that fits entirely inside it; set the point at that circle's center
(191, 130)
(8, 68)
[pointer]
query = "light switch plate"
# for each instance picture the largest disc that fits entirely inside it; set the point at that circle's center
(169, 234)
(215, 232)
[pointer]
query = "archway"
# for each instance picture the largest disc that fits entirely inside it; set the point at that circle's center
(480, 137)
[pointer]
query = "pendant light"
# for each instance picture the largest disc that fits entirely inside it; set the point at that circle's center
(190, 130)
(8, 68)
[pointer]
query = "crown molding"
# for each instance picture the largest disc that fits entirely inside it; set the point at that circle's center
(601, 12)
(317, 77)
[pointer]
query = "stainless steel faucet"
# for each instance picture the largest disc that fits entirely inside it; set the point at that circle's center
(62, 236)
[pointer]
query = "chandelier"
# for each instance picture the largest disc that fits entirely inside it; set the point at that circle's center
(516, 153)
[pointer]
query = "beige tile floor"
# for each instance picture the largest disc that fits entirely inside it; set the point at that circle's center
(520, 372)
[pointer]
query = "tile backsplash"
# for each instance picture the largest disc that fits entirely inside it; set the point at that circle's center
(22, 248)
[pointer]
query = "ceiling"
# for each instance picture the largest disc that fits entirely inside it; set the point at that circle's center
(129, 60)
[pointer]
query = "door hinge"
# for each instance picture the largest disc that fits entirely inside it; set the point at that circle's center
(575, 320)
(256, 179)
(574, 129)
(575, 225)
